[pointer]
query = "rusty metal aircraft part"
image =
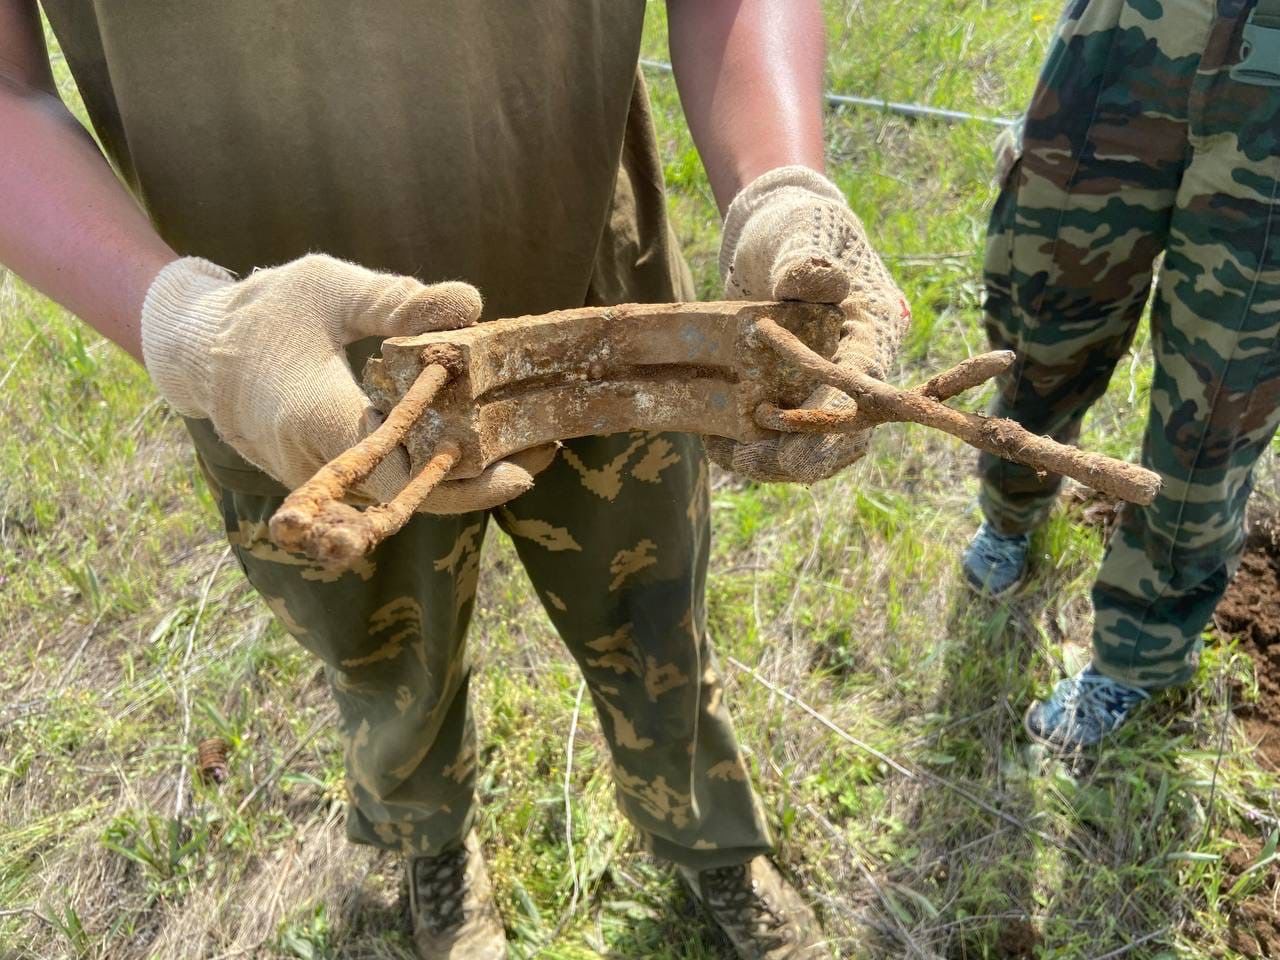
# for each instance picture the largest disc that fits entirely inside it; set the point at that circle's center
(460, 401)
(478, 395)
(517, 383)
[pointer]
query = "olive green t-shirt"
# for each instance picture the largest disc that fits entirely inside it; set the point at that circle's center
(503, 142)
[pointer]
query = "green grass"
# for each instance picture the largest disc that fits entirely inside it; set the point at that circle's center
(925, 827)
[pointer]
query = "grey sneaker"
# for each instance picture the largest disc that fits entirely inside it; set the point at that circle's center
(761, 913)
(995, 563)
(1082, 710)
(451, 907)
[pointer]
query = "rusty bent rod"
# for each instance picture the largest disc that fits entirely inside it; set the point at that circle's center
(461, 401)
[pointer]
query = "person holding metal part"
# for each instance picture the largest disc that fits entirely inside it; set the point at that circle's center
(293, 183)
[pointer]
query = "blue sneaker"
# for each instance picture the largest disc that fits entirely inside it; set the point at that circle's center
(1082, 710)
(994, 563)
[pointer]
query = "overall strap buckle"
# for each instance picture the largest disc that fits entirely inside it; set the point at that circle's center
(1260, 47)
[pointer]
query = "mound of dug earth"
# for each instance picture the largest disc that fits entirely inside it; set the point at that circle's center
(1253, 927)
(1251, 610)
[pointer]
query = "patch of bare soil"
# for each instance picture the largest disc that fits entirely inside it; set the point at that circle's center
(1018, 940)
(1251, 610)
(1253, 926)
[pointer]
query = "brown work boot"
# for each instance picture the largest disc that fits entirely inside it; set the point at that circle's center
(451, 906)
(760, 912)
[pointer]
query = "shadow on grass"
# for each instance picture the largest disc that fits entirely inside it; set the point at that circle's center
(985, 859)
(371, 921)
(1026, 856)
(680, 931)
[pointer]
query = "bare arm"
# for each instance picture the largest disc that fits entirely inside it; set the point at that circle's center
(750, 78)
(70, 228)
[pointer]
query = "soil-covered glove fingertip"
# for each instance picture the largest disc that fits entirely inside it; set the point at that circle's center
(813, 279)
(406, 307)
(441, 306)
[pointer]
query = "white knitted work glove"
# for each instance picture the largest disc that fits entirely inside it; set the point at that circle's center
(790, 235)
(263, 358)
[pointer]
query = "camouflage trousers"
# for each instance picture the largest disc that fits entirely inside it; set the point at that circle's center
(614, 537)
(1139, 144)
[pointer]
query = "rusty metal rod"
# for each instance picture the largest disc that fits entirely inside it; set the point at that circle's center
(337, 534)
(314, 520)
(772, 417)
(966, 375)
(963, 376)
(880, 403)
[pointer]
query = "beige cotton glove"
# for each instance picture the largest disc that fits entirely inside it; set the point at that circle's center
(263, 358)
(790, 235)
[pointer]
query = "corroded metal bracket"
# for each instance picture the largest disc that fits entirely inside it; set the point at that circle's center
(460, 401)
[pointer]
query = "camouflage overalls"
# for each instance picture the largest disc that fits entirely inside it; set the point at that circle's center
(1138, 142)
(615, 538)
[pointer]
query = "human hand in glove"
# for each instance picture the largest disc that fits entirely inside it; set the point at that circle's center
(790, 235)
(263, 358)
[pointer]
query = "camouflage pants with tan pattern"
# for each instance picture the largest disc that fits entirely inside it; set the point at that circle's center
(614, 537)
(1139, 142)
